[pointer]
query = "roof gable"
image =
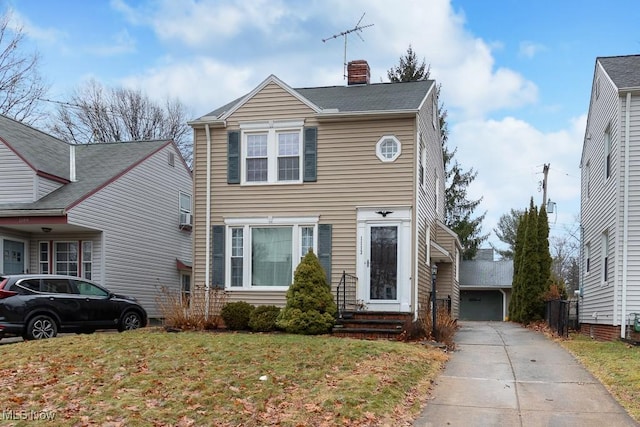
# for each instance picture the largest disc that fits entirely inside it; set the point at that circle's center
(42, 152)
(377, 97)
(624, 71)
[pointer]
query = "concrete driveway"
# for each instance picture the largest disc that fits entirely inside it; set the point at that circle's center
(502, 374)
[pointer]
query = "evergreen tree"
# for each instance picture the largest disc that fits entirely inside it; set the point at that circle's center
(409, 70)
(514, 303)
(458, 208)
(310, 307)
(532, 266)
(506, 231)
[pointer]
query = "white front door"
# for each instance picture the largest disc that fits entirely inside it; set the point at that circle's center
(384, 282)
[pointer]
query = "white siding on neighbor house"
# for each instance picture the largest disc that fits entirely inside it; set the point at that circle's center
(46, 186)
(16, 177)
(633, 214)
(600, 210)
(139, 217)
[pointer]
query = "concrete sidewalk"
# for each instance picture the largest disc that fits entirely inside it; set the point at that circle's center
(502, 374)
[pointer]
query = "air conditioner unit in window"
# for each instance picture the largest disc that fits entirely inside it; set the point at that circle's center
(185, 220)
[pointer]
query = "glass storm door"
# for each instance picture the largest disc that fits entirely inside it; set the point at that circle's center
(13, 258)
(383, 263)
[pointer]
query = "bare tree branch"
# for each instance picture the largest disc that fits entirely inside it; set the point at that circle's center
(21, 85)
(94, 114)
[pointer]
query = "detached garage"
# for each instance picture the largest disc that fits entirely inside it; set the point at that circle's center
(485, 287)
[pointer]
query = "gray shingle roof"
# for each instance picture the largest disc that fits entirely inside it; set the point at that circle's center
(42, 151)
(371, 97)
(623, 70)
(96, 164)
(488, 274)
(359, 98)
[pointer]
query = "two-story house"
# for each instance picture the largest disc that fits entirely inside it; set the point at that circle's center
(610, 199)
(116, 213)
(354, 173)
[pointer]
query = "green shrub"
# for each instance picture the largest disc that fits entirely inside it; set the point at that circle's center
(310, 308)
(236, 315)
(263, 318)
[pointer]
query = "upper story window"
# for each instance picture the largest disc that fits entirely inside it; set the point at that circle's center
(607, 153)
(587, 178)
(185, 210)
(587, 257)
(272, 152)
(605, 258)
(388, 148)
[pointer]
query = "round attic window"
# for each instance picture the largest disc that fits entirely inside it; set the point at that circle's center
(388, 148)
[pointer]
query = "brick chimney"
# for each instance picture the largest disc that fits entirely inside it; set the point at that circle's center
(358, 72)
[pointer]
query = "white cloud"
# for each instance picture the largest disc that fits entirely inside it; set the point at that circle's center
(39, 34)
(530, 49)
(121, 43)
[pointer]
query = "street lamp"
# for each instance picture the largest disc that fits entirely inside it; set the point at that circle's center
(434, 273)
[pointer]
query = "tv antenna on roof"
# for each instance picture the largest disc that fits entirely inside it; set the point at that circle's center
(357, 29)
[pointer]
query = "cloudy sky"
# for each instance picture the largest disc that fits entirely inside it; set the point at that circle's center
(515, 75)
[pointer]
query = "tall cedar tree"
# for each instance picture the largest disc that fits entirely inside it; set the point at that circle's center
(458, 208)
(532, 266)
(514, 304)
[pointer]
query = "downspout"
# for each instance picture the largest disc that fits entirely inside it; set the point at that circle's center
(207, 250)
(625, 218)
(416, 225)
(504, 304)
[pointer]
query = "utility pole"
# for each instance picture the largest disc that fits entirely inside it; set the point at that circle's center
(545, 172)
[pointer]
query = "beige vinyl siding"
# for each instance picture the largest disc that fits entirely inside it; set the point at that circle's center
(599, 211)
(46, 186)
(349, 174)
(17, 178)
(426, 213)
(138, 215)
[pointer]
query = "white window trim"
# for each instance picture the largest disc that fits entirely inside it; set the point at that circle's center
(379, 149)
(247, 224)
(180, 208)
(604, 239)
(271, 128)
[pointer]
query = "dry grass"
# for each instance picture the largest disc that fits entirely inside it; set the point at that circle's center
(615, 364)
(150, 377)
(192, 314)
(446, 326)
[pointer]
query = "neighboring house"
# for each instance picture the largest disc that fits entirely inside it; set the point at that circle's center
(354, 173)
(485, 287)
(116, 213)
(610, 200)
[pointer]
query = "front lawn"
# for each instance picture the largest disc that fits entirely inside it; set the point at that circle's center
(615, 364)
(150, 377)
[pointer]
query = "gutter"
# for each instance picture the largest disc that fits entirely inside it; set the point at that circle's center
(9, 213)
(625, 218)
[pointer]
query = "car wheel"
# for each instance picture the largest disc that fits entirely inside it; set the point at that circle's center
(130, 321)
(41, 327)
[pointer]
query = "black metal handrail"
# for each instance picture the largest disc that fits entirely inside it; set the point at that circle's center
(346, 292)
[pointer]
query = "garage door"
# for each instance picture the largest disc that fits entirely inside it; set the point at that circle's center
(481, 305)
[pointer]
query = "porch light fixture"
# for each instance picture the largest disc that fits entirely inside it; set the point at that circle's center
(434, 273)
(46, 230)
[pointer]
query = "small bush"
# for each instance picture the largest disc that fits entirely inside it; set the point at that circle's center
(236, 315)
(263, 318)
(446, 326)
